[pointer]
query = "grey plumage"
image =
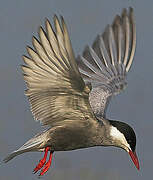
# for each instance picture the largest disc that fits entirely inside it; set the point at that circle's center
(60, 95)
(106, 63)
(56, 91)
(31, 145)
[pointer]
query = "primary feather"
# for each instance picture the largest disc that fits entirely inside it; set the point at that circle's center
(56, 90)
(106, 63)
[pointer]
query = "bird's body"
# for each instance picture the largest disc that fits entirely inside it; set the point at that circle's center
(72, 102)
(69, 136)
(74, 136)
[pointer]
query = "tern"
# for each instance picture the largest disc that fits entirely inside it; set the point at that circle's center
(69, 95)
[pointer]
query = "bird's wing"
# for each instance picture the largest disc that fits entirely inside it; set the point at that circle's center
(55, 88)
(106, 63)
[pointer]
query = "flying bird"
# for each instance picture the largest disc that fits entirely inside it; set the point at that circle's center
(70, 99)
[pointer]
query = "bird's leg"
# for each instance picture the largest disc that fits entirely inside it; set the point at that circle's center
(42, 161)
(47, 165)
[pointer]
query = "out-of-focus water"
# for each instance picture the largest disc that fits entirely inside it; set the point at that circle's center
(19, 20)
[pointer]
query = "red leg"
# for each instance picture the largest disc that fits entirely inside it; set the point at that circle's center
(42, 161)
(47, 165)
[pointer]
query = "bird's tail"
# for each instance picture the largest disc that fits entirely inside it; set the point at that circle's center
(33, 144)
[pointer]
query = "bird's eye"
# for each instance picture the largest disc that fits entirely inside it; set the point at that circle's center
(129, 141)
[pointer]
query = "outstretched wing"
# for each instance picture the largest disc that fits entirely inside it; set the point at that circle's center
(56, 90)
(106, 63)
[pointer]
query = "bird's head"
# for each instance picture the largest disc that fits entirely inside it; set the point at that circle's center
(123, 136)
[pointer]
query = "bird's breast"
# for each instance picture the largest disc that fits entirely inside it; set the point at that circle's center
(65, 138)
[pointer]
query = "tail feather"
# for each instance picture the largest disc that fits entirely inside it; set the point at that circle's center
(12, 155)
(31, 145)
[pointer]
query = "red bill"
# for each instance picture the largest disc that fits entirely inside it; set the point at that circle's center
(134, 159)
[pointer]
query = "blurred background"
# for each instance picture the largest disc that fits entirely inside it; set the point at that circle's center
(19, 20)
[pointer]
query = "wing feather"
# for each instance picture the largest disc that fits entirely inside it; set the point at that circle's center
(55, 88)
(106, 63)
(133, 39)
(126, 26)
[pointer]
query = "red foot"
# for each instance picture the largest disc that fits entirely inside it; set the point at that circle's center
(47, 165)
(42, 161)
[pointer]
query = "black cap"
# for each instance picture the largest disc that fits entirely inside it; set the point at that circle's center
(127, 131)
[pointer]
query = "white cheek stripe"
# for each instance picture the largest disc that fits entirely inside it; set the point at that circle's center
(116, 134)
